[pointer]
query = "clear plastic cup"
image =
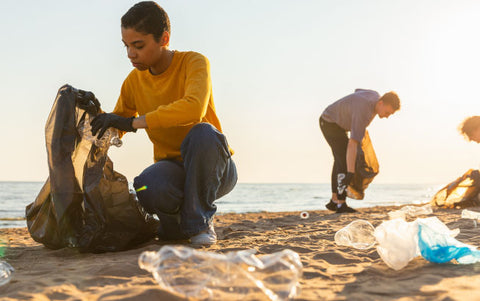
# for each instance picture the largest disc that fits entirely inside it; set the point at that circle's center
(359, 234)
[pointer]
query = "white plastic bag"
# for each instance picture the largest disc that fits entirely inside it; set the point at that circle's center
(397, 242)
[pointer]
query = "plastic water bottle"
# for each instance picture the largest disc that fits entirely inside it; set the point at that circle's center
(230, 276)
(110, 137)
(358, 234)
(6, 272)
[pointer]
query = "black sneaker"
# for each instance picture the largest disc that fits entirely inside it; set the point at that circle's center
(332, 206)
(345, 209)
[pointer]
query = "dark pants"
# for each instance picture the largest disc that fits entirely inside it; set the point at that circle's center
(338, 140)
(182, 194)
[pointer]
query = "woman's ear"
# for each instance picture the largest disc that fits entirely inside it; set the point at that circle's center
(165, 39)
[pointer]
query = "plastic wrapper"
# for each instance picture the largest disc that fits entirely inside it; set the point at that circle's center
(84, 203)
(236, 275)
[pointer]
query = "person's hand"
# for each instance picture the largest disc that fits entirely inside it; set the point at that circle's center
(106, 120)
(86, 100)
(343, 181)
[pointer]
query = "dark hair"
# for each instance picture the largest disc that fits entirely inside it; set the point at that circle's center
(147, 17)
(391, 98)
(468, 126)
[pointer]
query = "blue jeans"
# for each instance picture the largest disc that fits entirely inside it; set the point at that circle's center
(182, 194)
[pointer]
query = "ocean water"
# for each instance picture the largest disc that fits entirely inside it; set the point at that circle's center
(14, 196)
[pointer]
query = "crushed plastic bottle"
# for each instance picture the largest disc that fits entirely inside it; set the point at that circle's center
(358, 234)
(110, 137)
(6, 272)
(230, 276)
(411, 211)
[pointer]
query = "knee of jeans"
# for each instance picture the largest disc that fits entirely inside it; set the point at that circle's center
(157, 197)
(204, 138)
(229, 180)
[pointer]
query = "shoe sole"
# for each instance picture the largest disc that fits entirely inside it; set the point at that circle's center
(203, 240)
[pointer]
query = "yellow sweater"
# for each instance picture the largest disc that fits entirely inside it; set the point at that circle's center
(172, 102)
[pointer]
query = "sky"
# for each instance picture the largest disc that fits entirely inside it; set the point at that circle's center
(275, 64)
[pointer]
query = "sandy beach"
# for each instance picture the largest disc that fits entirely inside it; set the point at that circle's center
(330, 272)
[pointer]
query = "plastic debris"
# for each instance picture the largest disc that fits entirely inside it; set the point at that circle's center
(6, 272)
(397, 242)
(400, 241)
(411, 211)
(230, 276)
(110, 137)
(358, 234)
(470, 214)
(304, 215)
(437, 245)
(473, 215)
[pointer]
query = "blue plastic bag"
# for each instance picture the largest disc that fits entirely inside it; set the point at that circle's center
(437, 245)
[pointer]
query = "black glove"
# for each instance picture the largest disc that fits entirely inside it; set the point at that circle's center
(87, 101)
(343, 181)
(106, 120)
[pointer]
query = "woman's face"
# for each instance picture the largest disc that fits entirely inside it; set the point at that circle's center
(142, 49)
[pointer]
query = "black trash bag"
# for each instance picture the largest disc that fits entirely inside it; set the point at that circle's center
(84, 203)
(461, 193)
(366, 168)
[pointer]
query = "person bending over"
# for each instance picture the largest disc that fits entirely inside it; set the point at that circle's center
(352, 113)
(169, 94)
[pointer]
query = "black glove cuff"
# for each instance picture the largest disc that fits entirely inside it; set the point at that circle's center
(131, 129)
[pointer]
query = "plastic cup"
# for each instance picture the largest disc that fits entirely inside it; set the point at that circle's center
(358, 234)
